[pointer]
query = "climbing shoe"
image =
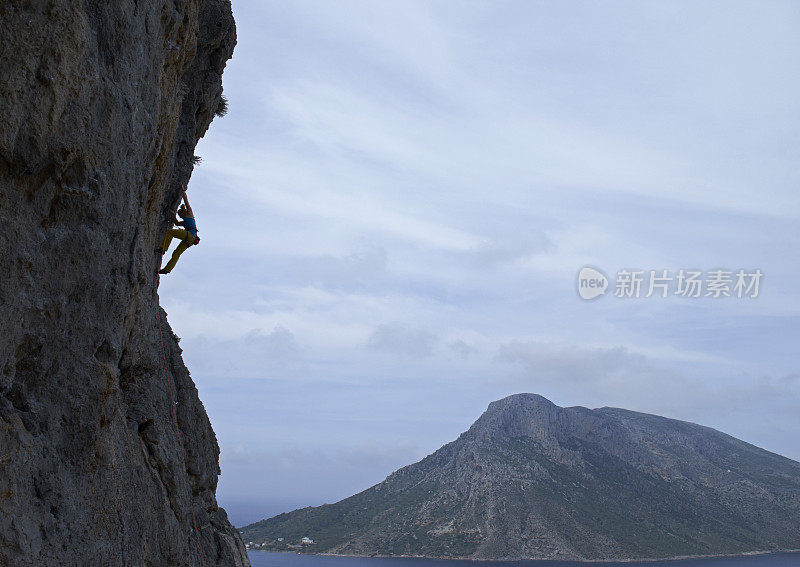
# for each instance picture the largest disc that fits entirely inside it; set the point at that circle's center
(163, 272)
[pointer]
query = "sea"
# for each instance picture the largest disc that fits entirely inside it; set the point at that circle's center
(282, 559)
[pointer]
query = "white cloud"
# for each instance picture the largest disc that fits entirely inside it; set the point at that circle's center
(396, 338)
(395, 207)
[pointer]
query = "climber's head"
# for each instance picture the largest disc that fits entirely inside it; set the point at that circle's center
(182, 211)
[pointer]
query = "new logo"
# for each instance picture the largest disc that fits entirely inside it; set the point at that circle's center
(592, 283)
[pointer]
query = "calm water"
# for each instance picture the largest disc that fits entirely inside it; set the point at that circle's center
(274, 559)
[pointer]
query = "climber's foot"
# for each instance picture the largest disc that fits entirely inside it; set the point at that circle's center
(163, 271)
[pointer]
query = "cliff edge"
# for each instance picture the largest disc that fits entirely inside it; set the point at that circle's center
(101, 106)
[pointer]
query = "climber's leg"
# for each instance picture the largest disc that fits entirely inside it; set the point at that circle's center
(175, 255)
(172, 233)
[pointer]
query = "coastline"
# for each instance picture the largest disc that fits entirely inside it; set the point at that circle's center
(544, 560)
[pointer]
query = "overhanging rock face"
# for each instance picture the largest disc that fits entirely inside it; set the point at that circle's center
(101, 106)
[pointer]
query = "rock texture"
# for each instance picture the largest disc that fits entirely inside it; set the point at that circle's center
(532, 480)
(101, 106)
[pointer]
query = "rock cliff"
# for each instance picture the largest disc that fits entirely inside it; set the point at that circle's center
(530, 479)
(101, 106)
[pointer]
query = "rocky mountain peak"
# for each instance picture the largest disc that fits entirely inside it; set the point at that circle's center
(531, 480)
(520, 415)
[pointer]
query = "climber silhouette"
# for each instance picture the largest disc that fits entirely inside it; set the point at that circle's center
(188, 235)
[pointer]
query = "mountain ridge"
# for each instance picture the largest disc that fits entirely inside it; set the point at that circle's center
(531, 480)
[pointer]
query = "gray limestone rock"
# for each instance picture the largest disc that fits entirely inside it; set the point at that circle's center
(101, 106)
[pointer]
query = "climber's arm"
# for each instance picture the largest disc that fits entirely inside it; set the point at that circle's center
(188, 206)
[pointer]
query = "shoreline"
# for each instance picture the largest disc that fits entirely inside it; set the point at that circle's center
(542, 559)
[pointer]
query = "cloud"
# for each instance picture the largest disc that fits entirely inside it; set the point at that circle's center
(354, 269)
(490, 253)
(394, 210)
(462, 349)
(614, 375)
(253, 355)
(571, 364)
(398, 339)
(279, 344)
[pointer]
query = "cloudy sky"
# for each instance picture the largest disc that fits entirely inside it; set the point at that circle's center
(396, 206)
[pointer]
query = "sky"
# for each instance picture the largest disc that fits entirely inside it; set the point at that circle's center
(395, 208)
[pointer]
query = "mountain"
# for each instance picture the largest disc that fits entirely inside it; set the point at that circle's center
(101, 106)
(530, 479)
